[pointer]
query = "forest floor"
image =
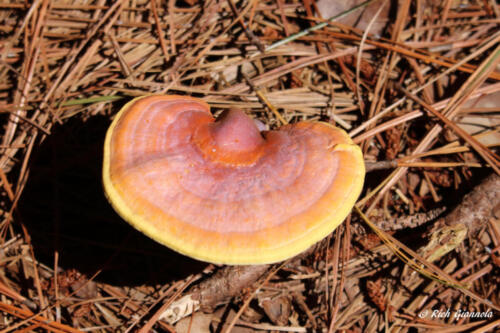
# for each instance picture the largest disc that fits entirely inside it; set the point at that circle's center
(416, 84)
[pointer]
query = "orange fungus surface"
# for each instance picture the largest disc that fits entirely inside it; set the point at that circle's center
(220, 190)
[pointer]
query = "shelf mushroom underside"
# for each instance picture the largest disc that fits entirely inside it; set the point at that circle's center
(292, 196)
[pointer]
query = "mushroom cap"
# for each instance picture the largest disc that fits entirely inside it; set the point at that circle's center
(221, 191)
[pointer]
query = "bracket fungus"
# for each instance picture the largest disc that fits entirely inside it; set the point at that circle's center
(221, 191)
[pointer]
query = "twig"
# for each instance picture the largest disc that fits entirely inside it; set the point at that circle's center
(251, 36)
(380, 165)
(410, 221)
